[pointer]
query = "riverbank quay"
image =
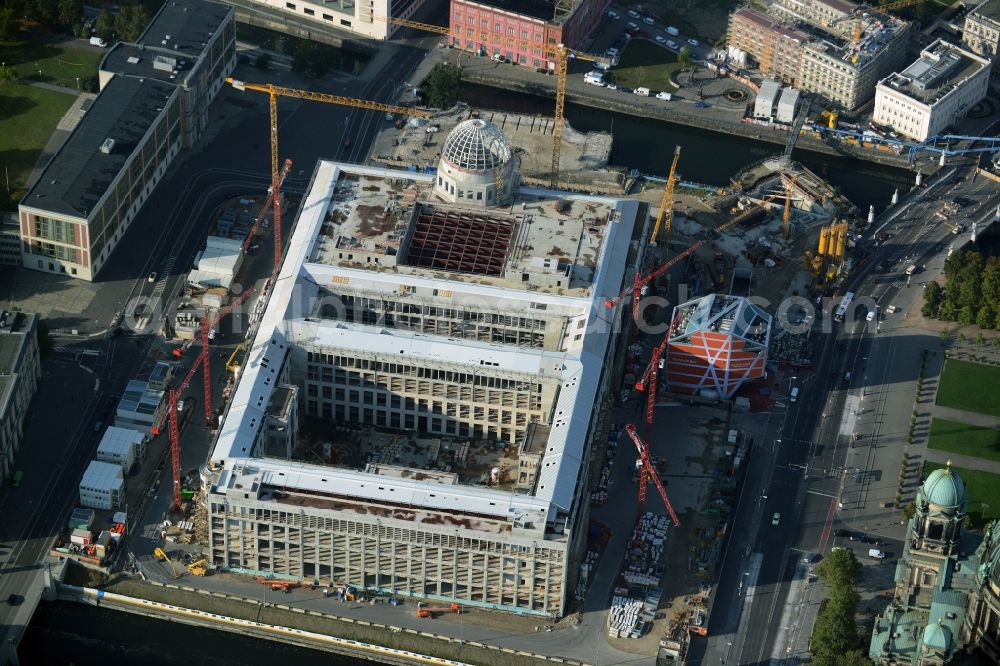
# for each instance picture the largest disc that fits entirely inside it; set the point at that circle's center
(283, 623)
(717, 116)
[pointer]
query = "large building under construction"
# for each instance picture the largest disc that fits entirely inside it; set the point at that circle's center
(416, 409)
(716, 344)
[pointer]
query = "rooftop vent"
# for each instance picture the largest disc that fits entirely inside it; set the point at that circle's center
(132, 60)
(164, 63)
(108, 146)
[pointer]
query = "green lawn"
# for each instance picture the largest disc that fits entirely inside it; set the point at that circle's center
(982, 487)
(972, 387)
(644, 63)
(27, 115)
(967, 440)
(57, 64)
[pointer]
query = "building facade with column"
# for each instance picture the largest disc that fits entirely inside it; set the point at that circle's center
(981, 31)
(153, 103)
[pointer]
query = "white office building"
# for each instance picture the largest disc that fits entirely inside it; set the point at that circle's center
(449, 361)
(932, 93)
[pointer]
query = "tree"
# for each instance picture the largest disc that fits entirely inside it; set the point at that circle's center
(9, 24)
(966, 316)
(70, 12)
(138, 22)
(7, 74)
(104, 26)
(985, 318)
(932, 299)
(840, 568)
(909, 510)
(442, 85)
(684, 58)
(947, 311)
(263, 61)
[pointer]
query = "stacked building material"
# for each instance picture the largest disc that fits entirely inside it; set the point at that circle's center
(624, 617)
(600, 496)
(586, 571)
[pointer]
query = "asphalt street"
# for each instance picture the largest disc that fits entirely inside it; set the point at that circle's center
(812, 471)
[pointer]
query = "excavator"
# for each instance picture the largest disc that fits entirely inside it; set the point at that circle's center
(160, 555)
(199, 568)
(432, 611)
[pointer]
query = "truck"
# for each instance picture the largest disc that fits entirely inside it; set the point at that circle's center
(642, 91)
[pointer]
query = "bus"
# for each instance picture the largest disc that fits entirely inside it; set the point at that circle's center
(16, 481)
(845, 304)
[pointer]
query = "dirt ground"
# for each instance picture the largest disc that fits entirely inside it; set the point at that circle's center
(707, 19)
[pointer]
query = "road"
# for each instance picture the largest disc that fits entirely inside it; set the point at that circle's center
(88, 371)
(813, 471)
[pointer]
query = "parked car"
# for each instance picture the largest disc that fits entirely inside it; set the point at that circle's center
(672, 44)
(613, 15)
(634, 27)
(632, 13)
(611, 86)
(665, 96)
(776, 519)
(649, 20)
(660, 39)
(152, 277)
(693, 42)
(842, 533)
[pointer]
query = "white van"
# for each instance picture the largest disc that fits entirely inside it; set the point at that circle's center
(911, 269)
(795, 394)
(97, 41)
(876, 554)
(642, 91)
(594, 78)
(665, 96)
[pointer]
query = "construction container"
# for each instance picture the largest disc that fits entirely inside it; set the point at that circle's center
(120, 446)
(787, 104)
(763, 106)
(81, 519)
(102, 486)
(81, 537)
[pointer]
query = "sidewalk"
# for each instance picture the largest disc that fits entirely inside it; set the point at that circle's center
(968, 418)
(958, 460)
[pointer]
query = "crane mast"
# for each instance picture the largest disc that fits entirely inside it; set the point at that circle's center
(666, 213)
(207, 326)
(650, 473)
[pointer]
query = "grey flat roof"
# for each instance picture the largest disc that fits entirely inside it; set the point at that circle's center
(189, 23)
(935, 73)
(131, 60)
(537, 9)
(989, 9)
(78, 175)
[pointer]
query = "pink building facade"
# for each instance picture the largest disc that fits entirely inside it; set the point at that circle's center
(521, 37)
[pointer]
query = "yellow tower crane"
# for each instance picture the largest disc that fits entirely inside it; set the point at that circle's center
(665, 217)
(274, 92)
(786, 216)
(559, 53)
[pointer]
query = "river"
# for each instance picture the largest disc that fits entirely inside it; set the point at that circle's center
(706, 157)
(64, 633)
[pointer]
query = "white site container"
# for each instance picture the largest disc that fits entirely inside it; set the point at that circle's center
(120, 446)
(102, 486)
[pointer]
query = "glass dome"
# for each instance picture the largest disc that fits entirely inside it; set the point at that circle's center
(476, 145)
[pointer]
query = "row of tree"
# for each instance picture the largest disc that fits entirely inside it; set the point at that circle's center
(67, 16)
(971, 293)
(834, 640)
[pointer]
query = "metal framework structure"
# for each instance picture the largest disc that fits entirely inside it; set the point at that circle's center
(207, 326)
(266, 207)
(460, 242)
(648, 381)
(273, 92)
(666, 213)
(929, 146)
(640, 281)
(559, 53)
(647, 473)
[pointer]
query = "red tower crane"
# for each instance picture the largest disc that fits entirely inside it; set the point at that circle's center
(648, 472)
(641, 281)
(648, 380)
(206, 334)
(266, 207)
(170, 416)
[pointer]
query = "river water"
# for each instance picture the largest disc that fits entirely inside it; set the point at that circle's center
(65, 633)
(706, 157)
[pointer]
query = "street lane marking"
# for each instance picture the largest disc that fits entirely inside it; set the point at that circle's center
(825, 536)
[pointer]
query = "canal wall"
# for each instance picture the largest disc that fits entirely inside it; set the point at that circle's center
(545, 87)
(311, 629)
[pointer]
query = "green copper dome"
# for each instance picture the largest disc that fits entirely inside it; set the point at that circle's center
(938, 637)
(945, 488)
